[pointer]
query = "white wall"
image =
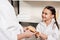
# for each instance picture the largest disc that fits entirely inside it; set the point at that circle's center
(31, 10)
(39, 0)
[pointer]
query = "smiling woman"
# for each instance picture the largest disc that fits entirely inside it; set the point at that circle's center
(48, 27)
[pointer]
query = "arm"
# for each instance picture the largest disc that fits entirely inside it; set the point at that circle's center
(26, 34)
(54, 35)
(20, 36)
(41, 35)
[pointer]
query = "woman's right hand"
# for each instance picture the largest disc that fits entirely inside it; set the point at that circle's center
(28, 33)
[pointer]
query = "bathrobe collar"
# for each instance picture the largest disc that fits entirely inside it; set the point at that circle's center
(50, 25)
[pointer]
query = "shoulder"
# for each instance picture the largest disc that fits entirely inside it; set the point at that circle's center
(39, 24)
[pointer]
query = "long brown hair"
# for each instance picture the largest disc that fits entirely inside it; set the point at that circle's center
(52, 9)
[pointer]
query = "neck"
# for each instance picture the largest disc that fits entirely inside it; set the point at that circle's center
(48, 22)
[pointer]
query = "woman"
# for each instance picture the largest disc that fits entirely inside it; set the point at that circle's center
(48, 27)
(9, 25)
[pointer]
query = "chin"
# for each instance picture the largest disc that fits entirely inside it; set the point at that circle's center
(44, 19)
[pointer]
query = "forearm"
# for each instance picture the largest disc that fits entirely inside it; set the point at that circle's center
(43, 36)
(21, 36)
(26, 34)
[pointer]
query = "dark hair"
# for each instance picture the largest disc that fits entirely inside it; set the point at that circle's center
(52, 9)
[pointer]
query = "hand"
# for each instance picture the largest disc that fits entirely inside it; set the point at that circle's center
(31, 28)
(28, 33)
(24, 28)
(37, 34)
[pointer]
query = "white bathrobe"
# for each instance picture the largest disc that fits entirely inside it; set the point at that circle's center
(9, 26)
(51, 30)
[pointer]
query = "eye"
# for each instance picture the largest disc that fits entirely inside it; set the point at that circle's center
(42, 12)
(45, 13)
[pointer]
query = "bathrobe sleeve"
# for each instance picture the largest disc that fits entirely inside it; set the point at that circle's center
(9, 26)
(54, 35)
(39, 28)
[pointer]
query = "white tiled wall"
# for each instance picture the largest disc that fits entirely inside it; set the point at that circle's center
(33, 9)
(39, 0)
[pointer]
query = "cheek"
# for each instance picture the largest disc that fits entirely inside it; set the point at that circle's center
(44, 17)
(49, 17)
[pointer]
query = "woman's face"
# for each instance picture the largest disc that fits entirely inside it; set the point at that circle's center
(47, 15)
